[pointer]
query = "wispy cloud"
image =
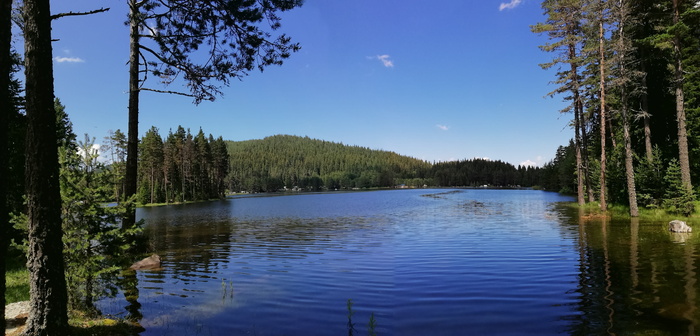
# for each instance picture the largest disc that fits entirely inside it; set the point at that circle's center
(385, 59)
(60, 59)
(512, 4)
(442, 127)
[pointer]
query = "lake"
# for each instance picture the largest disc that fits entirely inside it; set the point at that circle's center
(424, 262)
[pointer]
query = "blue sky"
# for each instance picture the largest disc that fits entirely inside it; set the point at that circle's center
(438, 80)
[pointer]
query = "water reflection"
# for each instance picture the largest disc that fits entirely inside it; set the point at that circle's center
(635, 278)
(454, 262)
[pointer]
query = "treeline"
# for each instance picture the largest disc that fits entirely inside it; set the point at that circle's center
(289, 161)
(479, 172)
(630, 71)
(182, 167)
(301, 163)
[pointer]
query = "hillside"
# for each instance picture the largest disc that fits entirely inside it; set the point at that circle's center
(280, 161)
(289, 161)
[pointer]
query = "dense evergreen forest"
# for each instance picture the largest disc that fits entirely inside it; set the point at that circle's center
(178, 168)
(302, 163)
(630, 71)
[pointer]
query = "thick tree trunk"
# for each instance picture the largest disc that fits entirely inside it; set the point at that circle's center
(48, 313)
(683, 157)
(133, 132)
(5, 109)
(603, 117)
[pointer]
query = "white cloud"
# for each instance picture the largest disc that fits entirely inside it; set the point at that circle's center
(442, 127)
(386, 61)
(537, 163)
(94, 150)
(512, 4)
(60, 59)
(529, 163)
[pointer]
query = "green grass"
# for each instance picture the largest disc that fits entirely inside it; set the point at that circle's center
(623, 211)
(17, 280)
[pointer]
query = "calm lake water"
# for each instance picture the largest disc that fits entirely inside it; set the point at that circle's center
(425, 262)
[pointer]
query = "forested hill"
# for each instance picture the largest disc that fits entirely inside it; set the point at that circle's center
(289, 161)
(285, 160)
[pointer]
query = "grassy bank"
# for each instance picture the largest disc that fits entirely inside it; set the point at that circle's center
(17, 280)
(623, 212)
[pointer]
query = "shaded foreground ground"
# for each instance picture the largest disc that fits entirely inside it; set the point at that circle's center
(16, 316)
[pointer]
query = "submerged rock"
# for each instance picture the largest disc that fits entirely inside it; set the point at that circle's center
(152, 262)
(679, 226)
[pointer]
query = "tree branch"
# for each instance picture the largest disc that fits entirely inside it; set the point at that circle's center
(60, 15)
(169, 92)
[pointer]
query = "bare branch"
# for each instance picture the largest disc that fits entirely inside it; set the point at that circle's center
(56, 16)
(169, 92)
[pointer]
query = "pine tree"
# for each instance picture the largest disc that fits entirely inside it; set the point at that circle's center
(6, 108)
(151, 164)
(236, 42)
(563, 26)
(48, 314)
(92, 236)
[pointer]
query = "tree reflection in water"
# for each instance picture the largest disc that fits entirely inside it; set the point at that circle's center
(635, 278)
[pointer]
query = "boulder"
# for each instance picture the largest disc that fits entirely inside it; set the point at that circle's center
(679, 226)
(152, 262)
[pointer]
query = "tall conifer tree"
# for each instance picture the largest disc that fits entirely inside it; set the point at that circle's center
(563, 27)
(5, 109)
(236, 40)
(48, 314)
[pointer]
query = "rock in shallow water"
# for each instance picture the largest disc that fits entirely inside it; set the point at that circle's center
(152, 262)
(679, 226)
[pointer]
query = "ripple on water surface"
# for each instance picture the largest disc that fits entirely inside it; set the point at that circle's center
(460, 262)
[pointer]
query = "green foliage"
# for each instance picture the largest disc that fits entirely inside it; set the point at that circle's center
(182, 167)
(649, 175)
(479, 172)
(93, 240)
(372, 326)
(289, 161)
(235, 38)
(114, 148)
(351, 325)
(678, 199)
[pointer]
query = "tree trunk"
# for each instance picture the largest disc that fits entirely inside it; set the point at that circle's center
(584, 152)
(153, 188)
(48, 312)
(603, 117)
(5, 109)
(580, 195)
(577, 126)
(646, 117)
(629, 166)
(680, 105)
(133, 133)
(627, 139)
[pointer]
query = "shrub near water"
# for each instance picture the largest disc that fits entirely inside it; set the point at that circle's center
(93, 242)
(678, 198)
